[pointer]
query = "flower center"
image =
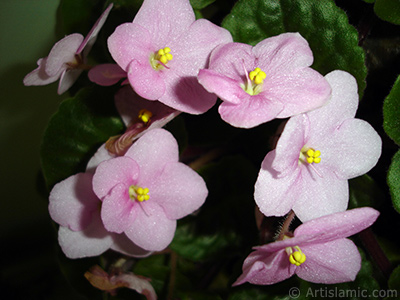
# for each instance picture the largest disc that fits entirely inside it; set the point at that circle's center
(296, 257)
(255, 81)
(138, 193)
(145, 115)
(160, 59)
(309, 155)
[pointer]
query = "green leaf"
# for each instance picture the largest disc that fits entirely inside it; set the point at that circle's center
(325, 26)
(369, 1)
(391, 116)
(388, 10)
(200, 4)
(393, 180)
(394, 283)
(364, 191)
(75, 132)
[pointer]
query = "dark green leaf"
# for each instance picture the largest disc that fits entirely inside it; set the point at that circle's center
(332, 39)
(369, 1)
(388, 10)
(391, 109)
(200, 4)
(393, 180)
(364, 192)
(75, 132)
(394, 283)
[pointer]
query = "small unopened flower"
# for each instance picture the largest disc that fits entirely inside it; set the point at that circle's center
(67, 58)
(162, 51)
(318, 251)
(270, 80)
(315, 156)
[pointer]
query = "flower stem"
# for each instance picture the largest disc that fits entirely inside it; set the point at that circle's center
(172, 278)
(286, 225)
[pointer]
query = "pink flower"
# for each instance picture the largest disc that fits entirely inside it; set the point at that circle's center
(162, 51)
(316, 155)
(140, 116)
(107, 74)
(318, 252)
(74, 206)
(270, 80)
(67, 58)
(147, 190)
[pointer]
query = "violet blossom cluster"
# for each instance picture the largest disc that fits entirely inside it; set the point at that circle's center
(135, 189)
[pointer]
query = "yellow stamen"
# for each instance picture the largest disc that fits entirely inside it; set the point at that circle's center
(310, 155)
(257, 76)
(164, 55)
(145, 115)
(296, 257)
(138, 193)
(255, 81)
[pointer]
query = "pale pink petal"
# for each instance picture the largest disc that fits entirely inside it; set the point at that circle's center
(68, 78)
(153, 151)
(339, 225)
(101, 155)
(332, 262)
(39, 75)
(342, 105)
(283, 53)
(124, 245)
(179, 190)
(118, 211)
(113, 172)
(106, 74)
(225, 88)
(92, 241)
(146, 81)
(72, 202)
(319, 196)
(165, 20)
(131, 41)
(63, 52)
(251, 112)
(266, 268)
(138, 283)
(151, 229)
(356, 149)
(90, 39)
(273, 195)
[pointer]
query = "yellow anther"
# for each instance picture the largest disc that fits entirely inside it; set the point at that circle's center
(297, 257)
(138, 193)
(164, 55)
(145, 115)
(313, 156)
(257, 76)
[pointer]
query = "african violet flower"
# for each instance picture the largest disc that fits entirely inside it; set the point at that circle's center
(318, 251)
(270, 80)
(67, 58)
(162, 51)
(107, 74)
(147, 190)
(316, 155)
(140, 116)
(74, 206)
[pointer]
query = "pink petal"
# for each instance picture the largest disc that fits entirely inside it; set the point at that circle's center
(106, 74)
(125, 246)
(113, 172)
(131, 41)
(118, 211)
(151, 229)
(68, 78)
(266, 268)
(273, 195)
(63, 52)
(319, 196)
(101, 155)
(92, 241)
(179, 190)
(165, 20)
(39, 75)
(338, 225)
(138, 283)
(146, 81)
(90, 39)
(153, 151)
(332, 262)
(72, 202)
(225, 88)
(356, 149)
(283, 53)
(252, 111)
